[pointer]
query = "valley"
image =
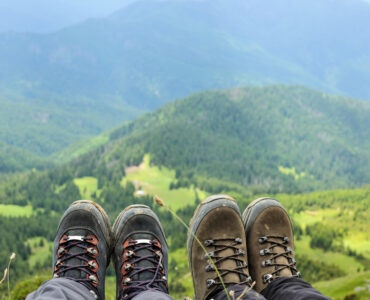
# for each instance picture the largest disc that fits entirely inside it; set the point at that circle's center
(249, 142)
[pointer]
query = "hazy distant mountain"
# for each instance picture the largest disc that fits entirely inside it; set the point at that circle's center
(48, 16)
(92, 76)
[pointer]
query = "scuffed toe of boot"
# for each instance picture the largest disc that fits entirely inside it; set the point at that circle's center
(270, 242)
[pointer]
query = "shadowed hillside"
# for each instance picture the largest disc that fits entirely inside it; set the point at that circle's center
(151, 52)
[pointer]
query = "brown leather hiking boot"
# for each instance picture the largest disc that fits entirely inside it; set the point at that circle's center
(269, 241)
(218, 226)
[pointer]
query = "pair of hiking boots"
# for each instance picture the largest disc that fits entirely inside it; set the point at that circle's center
(220, 244)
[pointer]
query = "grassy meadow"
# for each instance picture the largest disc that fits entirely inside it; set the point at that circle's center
(155, 180)
(344, 211)
(10, 210)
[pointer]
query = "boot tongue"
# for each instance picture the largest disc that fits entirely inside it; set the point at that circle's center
(229, 264)
(144, 263)
(76, 273)
(282, 260)
(226, 264)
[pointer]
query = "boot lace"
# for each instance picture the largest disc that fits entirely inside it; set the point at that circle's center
(220, 245)
(131, 284)
(277, 241)
(87, 254)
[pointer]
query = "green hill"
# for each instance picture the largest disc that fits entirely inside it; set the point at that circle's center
(248, 142)
(277, 138)
(58, 88)
(13, 159)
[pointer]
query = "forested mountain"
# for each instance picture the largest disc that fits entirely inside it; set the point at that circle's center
(245, 142)
(82, 80)
(46, 16)
(13, 159)
(273, 137)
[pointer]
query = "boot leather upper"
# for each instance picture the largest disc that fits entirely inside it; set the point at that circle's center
(219, 223)
(272, 221)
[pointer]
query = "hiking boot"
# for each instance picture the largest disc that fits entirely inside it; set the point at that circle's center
(218, 226)
(140, 252)
(269, 241)
(82, 246)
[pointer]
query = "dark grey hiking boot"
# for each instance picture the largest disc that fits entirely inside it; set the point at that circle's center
(140, 252)
(218, 226)
(82, 246)
(269, 241)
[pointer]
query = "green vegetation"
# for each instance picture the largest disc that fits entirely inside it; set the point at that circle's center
(22, 289)
(153, 180)
(110, 288)
(250, 135)
(214, 142)
(13, 159)
(291, 171)
(86, 186)
(41, 252)
(79, 148)
(341, 287)
(348, 264)
(69, 85)
(36, 133)
(9, 210)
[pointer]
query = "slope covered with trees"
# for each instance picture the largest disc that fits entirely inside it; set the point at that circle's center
(278, 137)
(247, 142)
(87, 78)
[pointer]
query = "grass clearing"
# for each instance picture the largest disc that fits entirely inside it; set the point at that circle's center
(87, 186)
(309, 217)
(156, 181)
(356, 234)
(10, 210)
(347, 263)
(340, 287)
(359, 241)
(291, 171)
(41, 250)
(180, 274)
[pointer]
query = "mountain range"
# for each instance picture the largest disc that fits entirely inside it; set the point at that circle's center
(45, 16)
(278, 136)
(61, 87)
(247, 142)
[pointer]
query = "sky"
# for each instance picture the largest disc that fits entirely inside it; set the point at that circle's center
(50, 15)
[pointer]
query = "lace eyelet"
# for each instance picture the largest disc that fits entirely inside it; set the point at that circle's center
(238, 240)
(267, 278)
(210, 283)
(262, 240)
(209, 268)
(208, 243)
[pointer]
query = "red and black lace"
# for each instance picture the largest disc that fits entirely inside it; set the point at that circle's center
(135, 252)
(85, 251)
